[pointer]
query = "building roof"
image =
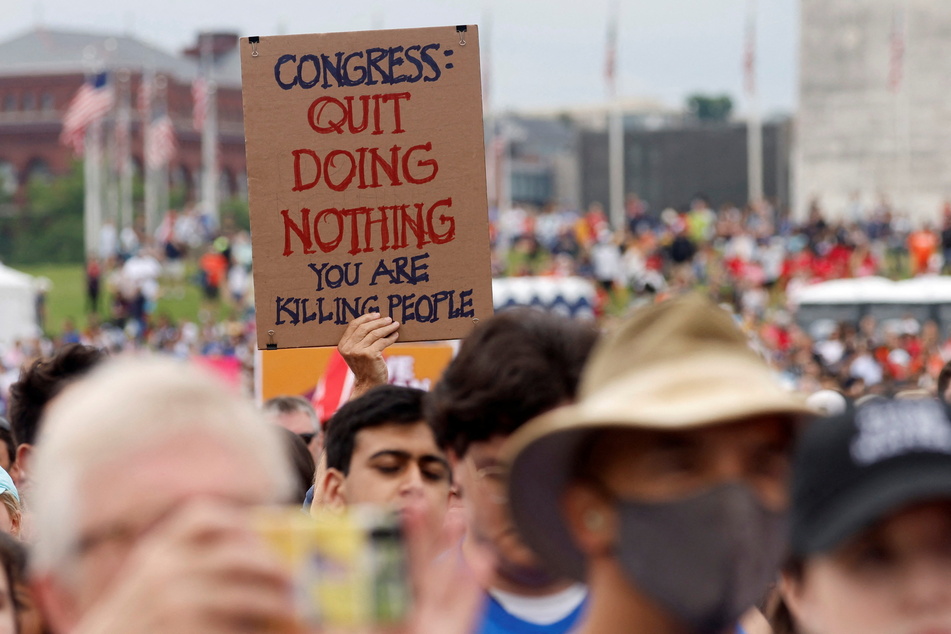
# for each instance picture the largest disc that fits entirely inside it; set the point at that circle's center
(44, 51)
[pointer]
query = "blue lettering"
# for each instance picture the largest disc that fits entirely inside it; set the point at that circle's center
(374, 57)
(284, 306)
(396, 60)
(315, 62)
(417, 270)
(415, 62)
(465, 301)
(331, 70)
(348, 80)
(283, 59)
(427, 59)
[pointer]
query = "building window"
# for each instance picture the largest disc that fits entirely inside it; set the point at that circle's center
(10, 103)
(47, 102)
(38, 170)
(29, 102)
(8, 178)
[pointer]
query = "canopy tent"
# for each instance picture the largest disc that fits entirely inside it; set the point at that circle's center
(17, 306)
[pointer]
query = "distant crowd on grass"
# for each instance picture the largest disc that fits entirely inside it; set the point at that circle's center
(751, 259)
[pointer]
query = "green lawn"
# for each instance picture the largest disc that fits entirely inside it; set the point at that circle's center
(67, 297)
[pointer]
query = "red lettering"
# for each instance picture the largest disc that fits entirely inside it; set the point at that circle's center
(354, 231)
(376, 115)
(364, 99)
(315, 116)
(416, 226)
(450, 234)
(329, 164)
(328, 246)
(299, 184)
(395, 98)
(427, 163)
(391, 169)
(303, 232)
(362, 152)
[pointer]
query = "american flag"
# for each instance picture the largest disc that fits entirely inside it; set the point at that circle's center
(160, 142)
(90, 104)
(749, 54)
(897, 53)
(200, 100)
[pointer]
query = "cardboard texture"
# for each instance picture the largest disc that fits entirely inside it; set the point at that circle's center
(366, 183)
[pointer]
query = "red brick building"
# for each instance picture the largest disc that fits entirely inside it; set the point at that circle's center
(40, 72)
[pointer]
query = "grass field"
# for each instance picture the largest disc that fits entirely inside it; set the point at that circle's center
(67, 297)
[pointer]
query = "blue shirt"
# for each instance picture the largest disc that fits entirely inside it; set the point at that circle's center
(498, 621)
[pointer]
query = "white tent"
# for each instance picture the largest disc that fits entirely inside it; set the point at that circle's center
(17, 306)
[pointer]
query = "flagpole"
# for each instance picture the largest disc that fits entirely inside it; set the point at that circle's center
(125, 150)
(615, 126)
(505, 168)
(162, 169)
(92, 177)
(151, 177)
(209, 135)
(109, 172)
(754, 126)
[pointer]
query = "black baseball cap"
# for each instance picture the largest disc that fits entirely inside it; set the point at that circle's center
(854, 469)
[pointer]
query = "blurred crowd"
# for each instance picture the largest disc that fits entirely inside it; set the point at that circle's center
(754, 259)
(557, 479)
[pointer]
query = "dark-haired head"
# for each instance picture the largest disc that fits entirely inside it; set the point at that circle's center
(517, 365)
(383, 405)
(43, 381)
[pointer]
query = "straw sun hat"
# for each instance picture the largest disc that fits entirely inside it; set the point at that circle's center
(680, 364)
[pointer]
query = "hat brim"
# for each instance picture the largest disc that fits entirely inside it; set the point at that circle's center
(537, 478)
(542, 454)
(912, 480)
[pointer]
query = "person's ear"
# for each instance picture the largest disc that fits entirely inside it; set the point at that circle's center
(591, 520)
(457, 465)
(16, 520)
(22, 465)
(792, 592)
(334, 489)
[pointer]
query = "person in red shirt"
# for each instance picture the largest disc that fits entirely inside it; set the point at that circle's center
(922, 245)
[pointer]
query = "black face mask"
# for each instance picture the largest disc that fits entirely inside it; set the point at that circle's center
(707, 558)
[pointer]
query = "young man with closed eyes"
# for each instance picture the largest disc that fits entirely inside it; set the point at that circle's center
(380, 450)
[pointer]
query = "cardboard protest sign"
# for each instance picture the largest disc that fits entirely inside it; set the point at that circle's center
(301, 370)
(366, 183)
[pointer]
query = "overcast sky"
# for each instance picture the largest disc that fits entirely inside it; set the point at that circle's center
(544, 53)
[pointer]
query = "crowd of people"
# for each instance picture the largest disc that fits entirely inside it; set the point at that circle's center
(754, 259)
(558, 478)
(695, 461)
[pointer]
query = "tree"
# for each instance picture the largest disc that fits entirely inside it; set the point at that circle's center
(235, 210)
(710, 107)
(49, 226)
